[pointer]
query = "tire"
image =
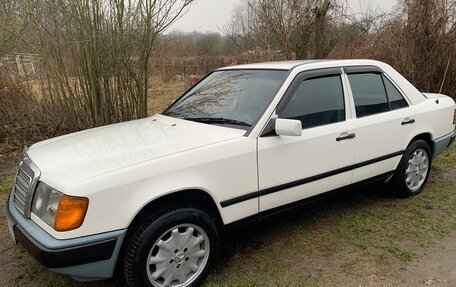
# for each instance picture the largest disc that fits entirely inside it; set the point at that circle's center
(413, 170)
(174, 246)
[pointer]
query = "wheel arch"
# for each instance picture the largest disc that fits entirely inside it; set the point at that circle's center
(196, 198)
(427, 137)
(399, 177)
(188, 198)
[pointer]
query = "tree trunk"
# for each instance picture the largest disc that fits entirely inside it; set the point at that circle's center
(320, 29)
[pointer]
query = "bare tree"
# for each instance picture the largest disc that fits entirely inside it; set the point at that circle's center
(418, 40)
(96, 53)
(285, 25)
(247, 29)
(320, 28)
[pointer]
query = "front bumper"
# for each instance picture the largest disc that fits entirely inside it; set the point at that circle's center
(86, 258)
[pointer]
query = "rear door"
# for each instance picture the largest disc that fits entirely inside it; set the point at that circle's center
(296, 167)
(383, 121)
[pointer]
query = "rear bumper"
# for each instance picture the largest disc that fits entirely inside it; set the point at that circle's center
(452, 139)
(85, 258)
(442, 143)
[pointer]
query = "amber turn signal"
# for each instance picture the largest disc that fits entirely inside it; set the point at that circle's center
(70, 213)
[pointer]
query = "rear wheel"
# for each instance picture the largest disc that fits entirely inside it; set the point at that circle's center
(174, 248)
(413, 170)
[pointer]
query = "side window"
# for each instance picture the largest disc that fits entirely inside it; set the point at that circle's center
(368, 93)
(316, 102)
(394, 96)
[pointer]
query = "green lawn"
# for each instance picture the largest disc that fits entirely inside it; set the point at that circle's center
(329, 244)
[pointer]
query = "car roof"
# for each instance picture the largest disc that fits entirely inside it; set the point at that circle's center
(288, 65)
(409, 90)
(279, 65)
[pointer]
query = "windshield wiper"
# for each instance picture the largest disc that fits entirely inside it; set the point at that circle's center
(208, 120)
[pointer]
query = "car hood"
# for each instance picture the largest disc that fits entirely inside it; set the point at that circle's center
(76, 157)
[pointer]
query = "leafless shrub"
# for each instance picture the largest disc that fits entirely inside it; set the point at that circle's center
(24, 117)
(295, 28)
(419, 41)
(95, 53)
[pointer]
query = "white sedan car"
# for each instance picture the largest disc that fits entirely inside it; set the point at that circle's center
(152, 196)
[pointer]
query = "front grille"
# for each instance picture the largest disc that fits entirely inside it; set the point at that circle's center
(26, 179)
(21, 190)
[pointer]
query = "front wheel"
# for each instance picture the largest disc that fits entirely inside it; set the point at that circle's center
(413, 171)
(174, 248)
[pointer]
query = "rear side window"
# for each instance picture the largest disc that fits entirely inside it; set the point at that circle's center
(316, 102)
(369, 94)
(394, 96)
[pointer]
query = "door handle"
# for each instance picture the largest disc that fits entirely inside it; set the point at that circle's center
(345, 136)
(408, 121)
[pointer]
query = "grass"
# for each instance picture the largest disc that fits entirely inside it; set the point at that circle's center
(6, 183)
(403, 255)
(329, 244)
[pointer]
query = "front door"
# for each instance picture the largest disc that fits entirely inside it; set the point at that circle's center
(292, 168)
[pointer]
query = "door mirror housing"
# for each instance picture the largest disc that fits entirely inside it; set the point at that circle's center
(286, 127)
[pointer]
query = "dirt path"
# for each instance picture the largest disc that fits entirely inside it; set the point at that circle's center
(436, 267)
(432, 267)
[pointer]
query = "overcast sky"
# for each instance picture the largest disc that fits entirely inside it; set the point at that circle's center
(206, 15)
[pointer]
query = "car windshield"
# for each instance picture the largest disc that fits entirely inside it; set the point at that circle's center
(231, 97)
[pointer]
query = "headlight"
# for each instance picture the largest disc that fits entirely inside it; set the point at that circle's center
(59, 211)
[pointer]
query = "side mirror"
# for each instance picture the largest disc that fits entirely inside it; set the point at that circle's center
(285, 127)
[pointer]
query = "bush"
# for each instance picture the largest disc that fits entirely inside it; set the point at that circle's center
(23, 117)
(420, 42)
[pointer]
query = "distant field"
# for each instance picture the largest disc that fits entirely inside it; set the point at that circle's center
(162, 94)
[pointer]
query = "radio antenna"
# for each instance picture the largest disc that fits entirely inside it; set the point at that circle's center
(444, 76)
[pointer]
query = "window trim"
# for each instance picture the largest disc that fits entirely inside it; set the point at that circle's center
(368, 71)
(388, 96)
(268, 128)
(398, 89)
(309, 75)
(386, 93)
(304, 75)
(374, 69)
(364, 69)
